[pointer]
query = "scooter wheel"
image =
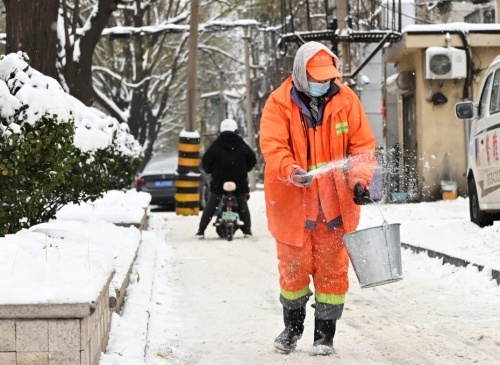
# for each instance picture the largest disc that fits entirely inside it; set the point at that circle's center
(221, 231)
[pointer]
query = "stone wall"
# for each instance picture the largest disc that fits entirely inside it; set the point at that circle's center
(63, 334)
(58, 334)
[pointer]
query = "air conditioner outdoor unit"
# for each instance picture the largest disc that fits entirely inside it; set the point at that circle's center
(445, 63)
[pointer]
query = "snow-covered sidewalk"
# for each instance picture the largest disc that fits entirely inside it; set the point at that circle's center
(216, 302)
(443, 226)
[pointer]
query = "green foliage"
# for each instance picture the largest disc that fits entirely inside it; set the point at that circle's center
(33, 162)
(41, 171)
(91, 175)
(121, 170)
(41, 168)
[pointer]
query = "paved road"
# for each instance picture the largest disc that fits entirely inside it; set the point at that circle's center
(224, 307)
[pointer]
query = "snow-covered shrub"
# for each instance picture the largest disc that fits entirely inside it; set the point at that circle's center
(53, 149)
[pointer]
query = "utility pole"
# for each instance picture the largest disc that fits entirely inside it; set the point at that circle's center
(187, 184)
(342, 16)
(248, 99)
(191, 67)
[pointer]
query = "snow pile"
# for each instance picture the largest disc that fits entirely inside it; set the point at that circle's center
(115, 206)
(25, 89)
(69, 261)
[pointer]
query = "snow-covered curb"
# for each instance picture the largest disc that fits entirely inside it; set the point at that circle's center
(69, 260)
(59, 280)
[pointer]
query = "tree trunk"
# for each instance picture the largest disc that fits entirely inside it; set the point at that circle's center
(147, 102)
(78, 72)
(31, 28)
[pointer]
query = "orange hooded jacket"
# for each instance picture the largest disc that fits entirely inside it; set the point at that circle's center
(346, 136)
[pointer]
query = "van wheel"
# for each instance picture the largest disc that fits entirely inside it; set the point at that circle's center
(477, 216)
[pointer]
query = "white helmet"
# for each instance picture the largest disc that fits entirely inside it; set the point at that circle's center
(228, 125)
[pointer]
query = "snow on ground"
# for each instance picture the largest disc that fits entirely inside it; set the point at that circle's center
(213, 302)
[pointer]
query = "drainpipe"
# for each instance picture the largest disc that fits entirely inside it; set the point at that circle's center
(470, 66)
(467, 92)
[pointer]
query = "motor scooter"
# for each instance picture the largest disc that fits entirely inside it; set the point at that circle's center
(228, 218)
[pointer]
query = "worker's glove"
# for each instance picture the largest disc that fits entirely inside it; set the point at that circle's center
(361, 194)
(248, 196)
(300, 178)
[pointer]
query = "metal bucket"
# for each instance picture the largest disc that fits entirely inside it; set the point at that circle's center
(375, 254)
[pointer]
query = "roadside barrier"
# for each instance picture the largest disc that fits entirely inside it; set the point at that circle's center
(187, 195)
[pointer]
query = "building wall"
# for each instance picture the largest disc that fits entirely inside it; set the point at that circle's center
(371, 93)
(439, 132)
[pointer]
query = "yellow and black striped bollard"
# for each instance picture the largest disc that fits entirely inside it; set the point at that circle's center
(187, 193)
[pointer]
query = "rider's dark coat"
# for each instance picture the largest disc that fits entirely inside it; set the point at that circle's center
(229, 158)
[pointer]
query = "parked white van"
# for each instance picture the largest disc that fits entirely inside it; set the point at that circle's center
(483, 156)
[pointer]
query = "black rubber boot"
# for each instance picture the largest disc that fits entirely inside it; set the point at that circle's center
(294, 327)
(324, 331)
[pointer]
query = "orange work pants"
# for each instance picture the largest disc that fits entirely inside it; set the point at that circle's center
(323, 257)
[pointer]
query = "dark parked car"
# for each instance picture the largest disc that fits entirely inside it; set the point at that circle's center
(158, 179)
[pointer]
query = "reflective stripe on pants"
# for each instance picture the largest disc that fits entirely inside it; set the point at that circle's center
(323, 257)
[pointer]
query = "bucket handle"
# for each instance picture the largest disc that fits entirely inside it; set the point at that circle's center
(384, 222)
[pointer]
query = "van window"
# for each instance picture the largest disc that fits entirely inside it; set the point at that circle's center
(495, 94)
(484, 98)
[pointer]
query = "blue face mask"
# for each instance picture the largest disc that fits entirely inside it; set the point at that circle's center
(318, 89)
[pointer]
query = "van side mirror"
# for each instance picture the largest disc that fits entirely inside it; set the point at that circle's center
(464, 110)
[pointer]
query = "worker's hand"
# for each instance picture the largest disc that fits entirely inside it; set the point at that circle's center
(361, 194)
(300, 178)
(248, 196)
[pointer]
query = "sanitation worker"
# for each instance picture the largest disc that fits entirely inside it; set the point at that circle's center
(318, 148)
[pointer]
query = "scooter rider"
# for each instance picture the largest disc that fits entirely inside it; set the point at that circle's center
(229, 158)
